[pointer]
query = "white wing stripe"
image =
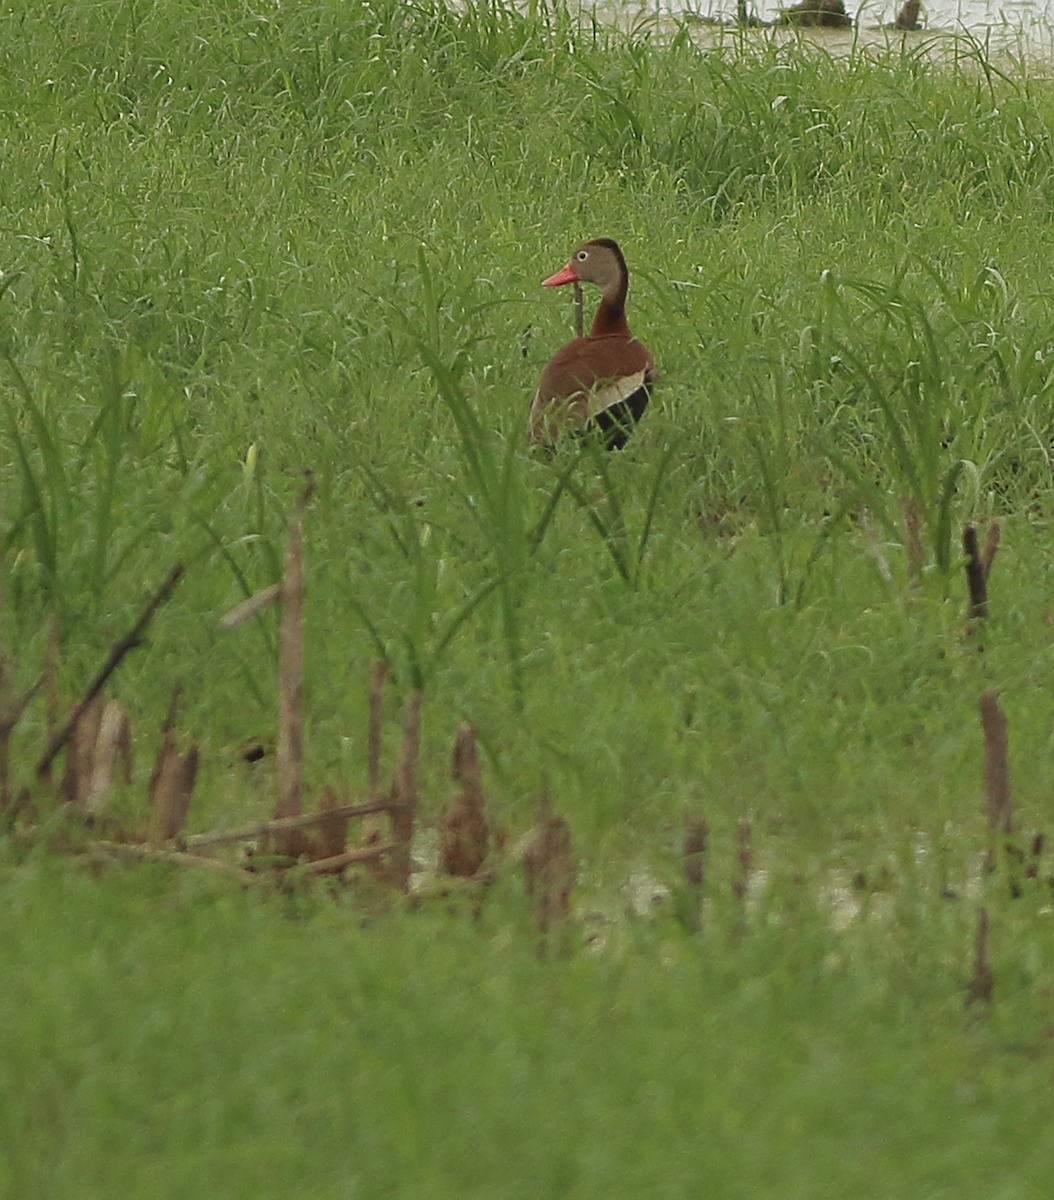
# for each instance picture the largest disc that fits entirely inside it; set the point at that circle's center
(614, 393)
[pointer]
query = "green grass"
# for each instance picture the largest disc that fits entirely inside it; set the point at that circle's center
(239, 243)
(171, 1040)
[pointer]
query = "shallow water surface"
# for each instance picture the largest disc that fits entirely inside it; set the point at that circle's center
(1026, 22)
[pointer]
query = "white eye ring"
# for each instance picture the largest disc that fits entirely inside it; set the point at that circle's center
(582, 255)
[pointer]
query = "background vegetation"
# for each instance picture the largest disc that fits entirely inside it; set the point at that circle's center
(242, 241)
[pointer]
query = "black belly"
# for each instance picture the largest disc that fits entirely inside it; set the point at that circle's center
(615, 423)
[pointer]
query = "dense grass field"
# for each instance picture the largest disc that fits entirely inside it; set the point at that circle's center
(241, 242)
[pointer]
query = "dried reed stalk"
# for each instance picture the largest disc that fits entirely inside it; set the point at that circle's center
(259, 830)
(76, 783)
(689, 900)
(579, 310)
(331, 866)
(996, 764)
(168, 737)
(11, 712)
(548, 867)
(117, 653)
(908, 17)
(909, 511)
(171, 782)
(464, 835)
(991, 545)
(176, 857)
(693, 850)
(976, 576)
(1035, 854)
(289, 750)
(744, 861)
(875, 546)
(256, 603)
(172, 801)
(332, 828)
(113, 745)
(979, 989)
(979, 567)
(51, 671)
(404, 792)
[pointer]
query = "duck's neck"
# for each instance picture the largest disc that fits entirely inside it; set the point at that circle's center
(611, 311)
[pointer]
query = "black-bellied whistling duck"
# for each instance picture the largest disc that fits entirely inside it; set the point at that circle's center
(602, 381)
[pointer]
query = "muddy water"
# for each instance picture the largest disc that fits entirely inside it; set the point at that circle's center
(1013, 24)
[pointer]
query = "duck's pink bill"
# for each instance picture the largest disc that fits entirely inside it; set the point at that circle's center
(566, 275)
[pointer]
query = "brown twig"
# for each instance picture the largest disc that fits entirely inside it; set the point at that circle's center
(579, 310)
(117, 653)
